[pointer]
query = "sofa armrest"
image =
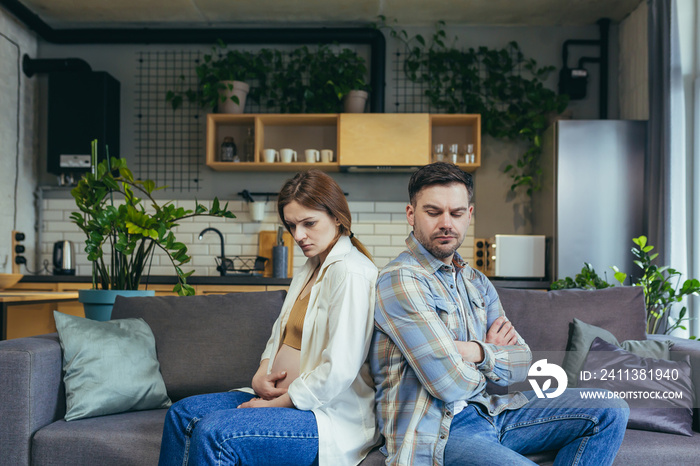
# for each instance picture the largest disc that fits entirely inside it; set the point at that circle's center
(681, 347)
(32, 393)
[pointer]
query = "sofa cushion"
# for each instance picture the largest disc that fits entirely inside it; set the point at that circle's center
(620, 371)
(126, 439)
(207, 343)
(582, 336)
(543, 318)
(109, 367)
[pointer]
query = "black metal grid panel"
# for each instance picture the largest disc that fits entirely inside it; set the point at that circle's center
(409, 97)
(168, 143)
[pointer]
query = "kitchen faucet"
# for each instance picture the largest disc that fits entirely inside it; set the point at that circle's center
(221, 268)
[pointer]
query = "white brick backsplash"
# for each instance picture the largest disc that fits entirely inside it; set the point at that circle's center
(361, 206)
(374, 218)
(54, 215)
(61, 204)
(363, 228)
(398, 240)
(388, 251)
(377, 240)
(247, 250)
(62, 226)
(392, 229)
(380, 226)
(390, 207)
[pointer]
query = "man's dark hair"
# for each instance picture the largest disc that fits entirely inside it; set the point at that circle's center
(438, 173)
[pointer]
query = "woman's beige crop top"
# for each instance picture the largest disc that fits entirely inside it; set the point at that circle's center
(295, 323)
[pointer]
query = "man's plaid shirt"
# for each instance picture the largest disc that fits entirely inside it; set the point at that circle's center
(416, 366)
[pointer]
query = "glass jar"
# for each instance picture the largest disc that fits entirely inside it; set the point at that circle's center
(229, 153)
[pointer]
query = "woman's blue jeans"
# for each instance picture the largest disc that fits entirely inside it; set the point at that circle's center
(586, 432)
(210, 430)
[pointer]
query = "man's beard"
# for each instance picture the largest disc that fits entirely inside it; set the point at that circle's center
(434, 248)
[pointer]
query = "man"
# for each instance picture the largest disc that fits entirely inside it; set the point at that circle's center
(441, 332)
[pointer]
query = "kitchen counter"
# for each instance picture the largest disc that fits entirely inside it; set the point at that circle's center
(169, 280)
(535, 284)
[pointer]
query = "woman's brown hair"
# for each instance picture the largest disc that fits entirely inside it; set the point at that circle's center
(315, 190)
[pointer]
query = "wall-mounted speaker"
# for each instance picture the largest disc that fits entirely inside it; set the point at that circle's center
(82, 106)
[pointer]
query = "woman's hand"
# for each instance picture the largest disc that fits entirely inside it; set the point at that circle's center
(264, 384)
(283, 401)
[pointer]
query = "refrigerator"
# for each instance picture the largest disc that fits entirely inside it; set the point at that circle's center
(591, 202)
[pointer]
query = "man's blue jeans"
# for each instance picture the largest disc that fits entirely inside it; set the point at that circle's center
(585, 431)
(210, 430)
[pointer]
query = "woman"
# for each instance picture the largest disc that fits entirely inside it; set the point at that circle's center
(313, 400)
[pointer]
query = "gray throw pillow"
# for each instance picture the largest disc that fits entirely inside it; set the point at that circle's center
(109, 367)
(582, 337)
(659, 392)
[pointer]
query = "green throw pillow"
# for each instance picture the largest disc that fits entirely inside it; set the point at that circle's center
(582, 337)
(109, 367)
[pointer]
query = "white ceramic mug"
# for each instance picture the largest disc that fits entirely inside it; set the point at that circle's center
(270, 155)
(326, 156)
(257, 211)
(287, 155)
(312, 155)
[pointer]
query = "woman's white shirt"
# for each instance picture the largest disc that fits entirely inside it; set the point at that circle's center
(334, 380)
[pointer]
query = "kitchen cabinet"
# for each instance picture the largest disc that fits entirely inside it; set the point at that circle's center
(272, 131)
(384, 139)
(30, 319)
(357, 139)
(457, 129)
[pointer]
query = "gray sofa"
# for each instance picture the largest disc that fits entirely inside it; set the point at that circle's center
(212, 343)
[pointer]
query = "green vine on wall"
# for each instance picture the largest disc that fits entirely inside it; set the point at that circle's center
(502, 85)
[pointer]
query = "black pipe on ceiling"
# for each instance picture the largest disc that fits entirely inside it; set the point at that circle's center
(365, 36)
(603, 44)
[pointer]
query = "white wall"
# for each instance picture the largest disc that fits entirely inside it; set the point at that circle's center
(18, 173)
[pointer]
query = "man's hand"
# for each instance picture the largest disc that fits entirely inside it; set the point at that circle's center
(264, 383)
(501, 333)
(470, 351)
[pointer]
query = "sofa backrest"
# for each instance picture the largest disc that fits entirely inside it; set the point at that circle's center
(206, 343)
(543, 319)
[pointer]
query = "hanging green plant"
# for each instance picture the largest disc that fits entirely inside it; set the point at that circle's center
(502, 85)
(315, 79)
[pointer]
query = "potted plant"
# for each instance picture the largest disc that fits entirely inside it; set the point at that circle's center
(348, 81)
(224, 79)
(662, 287)
(316, 80)
(121, 237)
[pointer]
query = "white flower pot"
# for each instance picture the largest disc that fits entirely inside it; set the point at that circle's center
(240, 90)
(355, 102)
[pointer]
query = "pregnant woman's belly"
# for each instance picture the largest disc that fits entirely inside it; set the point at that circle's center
(287, 359)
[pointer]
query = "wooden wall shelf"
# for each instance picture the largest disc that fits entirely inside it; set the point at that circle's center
(367, 139)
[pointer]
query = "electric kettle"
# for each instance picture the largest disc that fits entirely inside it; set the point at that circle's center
(63, 258)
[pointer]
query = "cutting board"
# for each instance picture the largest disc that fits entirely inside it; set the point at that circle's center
(266, 240)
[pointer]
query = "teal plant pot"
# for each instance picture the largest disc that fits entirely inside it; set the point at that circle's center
(98, 303)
